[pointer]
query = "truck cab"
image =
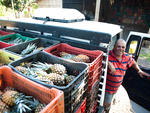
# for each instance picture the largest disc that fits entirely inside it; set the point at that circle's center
(138, 45)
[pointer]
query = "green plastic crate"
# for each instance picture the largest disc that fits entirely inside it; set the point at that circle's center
(12, 37)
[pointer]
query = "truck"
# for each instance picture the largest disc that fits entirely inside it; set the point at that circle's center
(92, 35)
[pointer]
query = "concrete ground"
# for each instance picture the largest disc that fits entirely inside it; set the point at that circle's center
(122, 104)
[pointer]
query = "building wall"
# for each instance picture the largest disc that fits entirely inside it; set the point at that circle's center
(50, 3)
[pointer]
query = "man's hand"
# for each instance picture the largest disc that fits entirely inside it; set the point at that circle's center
(142, 74)
(111, 68)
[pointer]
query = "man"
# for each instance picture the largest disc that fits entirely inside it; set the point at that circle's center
(119, 62)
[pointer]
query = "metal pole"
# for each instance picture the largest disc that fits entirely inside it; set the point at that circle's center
(97, 9)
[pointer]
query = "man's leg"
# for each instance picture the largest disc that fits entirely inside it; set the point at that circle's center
(107, 101)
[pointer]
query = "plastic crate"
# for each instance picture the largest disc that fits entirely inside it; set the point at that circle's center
(82, 107)
(4, 45)
(93, 109)
(92, 94)
(96, 57)
(52, 97)
(2, 33)
(12, 37)
(74, 91)
(39, 42)
(92, 79)
(7, 57)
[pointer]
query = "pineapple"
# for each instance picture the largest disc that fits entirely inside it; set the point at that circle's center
(4, 108)
(45, 79)
(15, 102)
(29, 49)
(66, 55)
(39, 72)
(77, 59)
(39, 108)
(21, 69)
(81, 58)
(9, 97)
(56, 79)
(8, 89)
(69, 78)
(59, 69)
(24, 104)
(63, 54)
(26, 64)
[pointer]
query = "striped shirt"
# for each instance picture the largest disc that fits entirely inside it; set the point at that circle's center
(115, 80)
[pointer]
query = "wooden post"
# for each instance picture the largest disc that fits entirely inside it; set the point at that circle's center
(97, 9)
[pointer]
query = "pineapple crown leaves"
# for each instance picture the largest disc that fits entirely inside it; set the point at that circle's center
(44, 66)
(16, 41)
(30, 48)
(25, 104)
(31, 72)
(68, 56)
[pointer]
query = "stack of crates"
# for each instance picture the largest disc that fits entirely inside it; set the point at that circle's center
(75, 91)
(82, 107)
(52, 97)
(94, 69)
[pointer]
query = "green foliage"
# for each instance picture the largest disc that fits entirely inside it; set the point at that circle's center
(19, 5)
(2, 11)
(145, 56)
(19, 8)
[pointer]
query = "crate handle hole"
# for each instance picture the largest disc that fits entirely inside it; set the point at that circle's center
(10, 58)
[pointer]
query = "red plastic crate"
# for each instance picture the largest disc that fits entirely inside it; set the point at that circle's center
(2, 33)
(82, 107)
(52, 97)
(4, 45)
(93, 109)
(92, 94)
(94, 76)
(96, 56)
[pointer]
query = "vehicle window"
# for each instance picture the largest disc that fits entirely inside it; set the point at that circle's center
(111, 45)
(133, 46)
(144, 56)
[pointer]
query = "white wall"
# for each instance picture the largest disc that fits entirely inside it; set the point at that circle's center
(50, 3)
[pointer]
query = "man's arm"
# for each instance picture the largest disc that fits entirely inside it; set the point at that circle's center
(111, 67)
(139, 71)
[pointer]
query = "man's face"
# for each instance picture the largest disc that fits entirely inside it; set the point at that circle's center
(119, 48)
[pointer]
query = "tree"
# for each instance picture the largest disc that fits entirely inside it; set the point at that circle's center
(18, 5)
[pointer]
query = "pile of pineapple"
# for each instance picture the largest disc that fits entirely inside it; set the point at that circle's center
(54, 74)
(76, 58)
(12, 101)
(30, 49)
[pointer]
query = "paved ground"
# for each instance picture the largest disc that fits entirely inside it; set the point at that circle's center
(123, 104)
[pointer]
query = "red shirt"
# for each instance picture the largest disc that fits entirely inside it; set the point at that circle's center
(115, 80)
